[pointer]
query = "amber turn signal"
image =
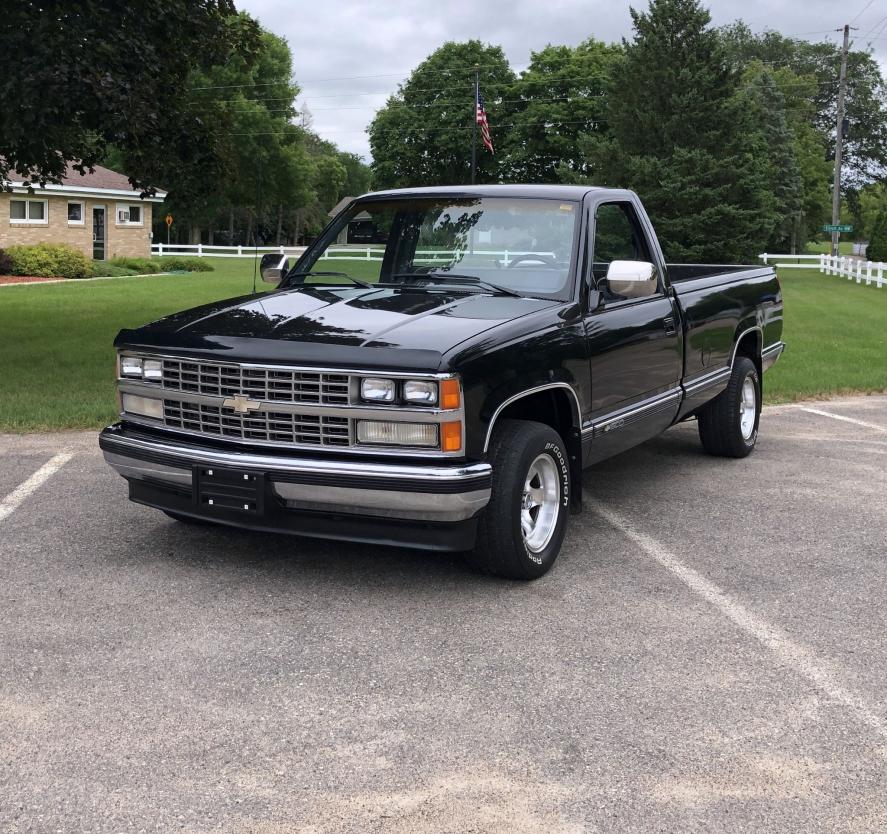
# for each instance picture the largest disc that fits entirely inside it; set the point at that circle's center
(451, 436)
(449, 393)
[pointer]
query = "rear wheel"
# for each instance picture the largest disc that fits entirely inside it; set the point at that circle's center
(728, 425)
(523, 527)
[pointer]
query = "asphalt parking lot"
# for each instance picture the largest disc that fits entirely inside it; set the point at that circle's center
(708, 654)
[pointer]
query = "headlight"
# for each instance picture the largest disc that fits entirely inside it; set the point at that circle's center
(377, 390)
(386, 433)
(145, 406)
(421, 392)
(152, 369)
(130, 366)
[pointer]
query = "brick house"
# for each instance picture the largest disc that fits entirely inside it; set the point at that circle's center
(97, 213)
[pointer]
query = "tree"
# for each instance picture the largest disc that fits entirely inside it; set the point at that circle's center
(865, 146)
(359, 174)
(266, 167)
(877, 248)
(76, 78)
(559, 97)
(679, 135)
(422, 136)
(767, 109)
(864, 206)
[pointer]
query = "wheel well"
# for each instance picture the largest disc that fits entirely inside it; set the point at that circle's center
(750, 346)
(555, 407)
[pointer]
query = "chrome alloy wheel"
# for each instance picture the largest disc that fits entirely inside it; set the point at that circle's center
(540, 503)
(748, 408)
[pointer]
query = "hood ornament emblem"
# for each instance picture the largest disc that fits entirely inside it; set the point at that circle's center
(242, 404)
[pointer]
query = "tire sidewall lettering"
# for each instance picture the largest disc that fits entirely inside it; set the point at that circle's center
(556, 452)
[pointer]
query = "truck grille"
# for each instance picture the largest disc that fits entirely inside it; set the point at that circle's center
(265, 426)
(266, 384)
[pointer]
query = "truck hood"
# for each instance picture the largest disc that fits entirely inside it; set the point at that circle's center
(395, 327)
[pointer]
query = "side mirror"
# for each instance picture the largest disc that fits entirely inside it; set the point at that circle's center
(273, 267)
(632, 279)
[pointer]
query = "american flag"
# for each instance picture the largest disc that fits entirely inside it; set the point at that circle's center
(482, 121)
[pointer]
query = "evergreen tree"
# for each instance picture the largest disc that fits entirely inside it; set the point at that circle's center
(877, 248)
(766, 106)
(680, 136)
(422, 136)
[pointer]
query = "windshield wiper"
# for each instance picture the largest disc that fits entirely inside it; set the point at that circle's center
(451, 278)
(332, 274)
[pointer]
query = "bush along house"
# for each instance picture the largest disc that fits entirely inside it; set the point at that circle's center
(98, 213)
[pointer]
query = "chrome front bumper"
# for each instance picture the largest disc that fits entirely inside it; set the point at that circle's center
(409, 492)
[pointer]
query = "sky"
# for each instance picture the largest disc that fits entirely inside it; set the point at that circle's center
(350, 55)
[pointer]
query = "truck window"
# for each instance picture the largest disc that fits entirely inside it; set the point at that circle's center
(524, 244)
(618, 236)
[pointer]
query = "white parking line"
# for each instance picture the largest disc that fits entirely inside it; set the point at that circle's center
(801, 659)
(22, 491)
(862, 423)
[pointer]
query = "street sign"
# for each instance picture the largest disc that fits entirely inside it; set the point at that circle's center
(829, 227)
(169, 220)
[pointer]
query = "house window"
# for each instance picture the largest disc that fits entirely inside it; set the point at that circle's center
(75, 214)
(27, 211)
(129, 215)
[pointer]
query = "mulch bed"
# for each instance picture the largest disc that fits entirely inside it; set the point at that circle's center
(23, 279)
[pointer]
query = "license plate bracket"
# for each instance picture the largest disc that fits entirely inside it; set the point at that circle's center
(217, 489)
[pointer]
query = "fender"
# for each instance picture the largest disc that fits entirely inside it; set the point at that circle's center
(573, 442)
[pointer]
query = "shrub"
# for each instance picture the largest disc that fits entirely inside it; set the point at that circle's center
(179, 263)
(49, 260)
(877, 248)
(109, 270)
(5, 264)
(72, 263)
(139, 266)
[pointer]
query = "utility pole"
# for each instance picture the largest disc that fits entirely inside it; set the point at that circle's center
(839, 141)
(474, 120)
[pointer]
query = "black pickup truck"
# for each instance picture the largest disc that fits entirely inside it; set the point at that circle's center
(445, 385)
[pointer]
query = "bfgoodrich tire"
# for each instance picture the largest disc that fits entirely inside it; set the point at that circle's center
(522, 528)
(728, 425)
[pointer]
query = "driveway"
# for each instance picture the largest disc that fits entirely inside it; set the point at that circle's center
(707, 655)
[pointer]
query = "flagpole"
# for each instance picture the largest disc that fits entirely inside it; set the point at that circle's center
(474, 130)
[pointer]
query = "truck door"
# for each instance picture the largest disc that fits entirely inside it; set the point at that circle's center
(635, 344)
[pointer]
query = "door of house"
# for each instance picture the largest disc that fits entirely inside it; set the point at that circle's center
(98, 233)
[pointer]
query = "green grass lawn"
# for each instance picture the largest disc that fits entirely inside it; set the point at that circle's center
(845, 247)
(56, 358)
(836, 332)
(57, 363)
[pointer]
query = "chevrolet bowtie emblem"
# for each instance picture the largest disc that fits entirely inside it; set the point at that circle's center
(242, 404)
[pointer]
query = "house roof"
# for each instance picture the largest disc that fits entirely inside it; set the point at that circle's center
(101, 180)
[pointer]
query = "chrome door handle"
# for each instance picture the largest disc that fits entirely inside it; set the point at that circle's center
(670, 328)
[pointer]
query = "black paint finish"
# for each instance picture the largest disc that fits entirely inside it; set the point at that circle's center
(594, 362)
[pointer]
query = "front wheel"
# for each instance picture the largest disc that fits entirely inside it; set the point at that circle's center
(728, 425)
(523, 527)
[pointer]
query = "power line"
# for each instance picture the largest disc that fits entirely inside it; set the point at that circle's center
(442, 71)
(551, 123)
(860, 13)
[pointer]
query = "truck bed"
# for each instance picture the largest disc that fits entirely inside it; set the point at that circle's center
(692, 277)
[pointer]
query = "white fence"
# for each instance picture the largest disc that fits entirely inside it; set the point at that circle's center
(870, 272)
(201, 250)
(344, 253)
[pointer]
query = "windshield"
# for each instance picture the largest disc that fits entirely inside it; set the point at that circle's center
(523, 246)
